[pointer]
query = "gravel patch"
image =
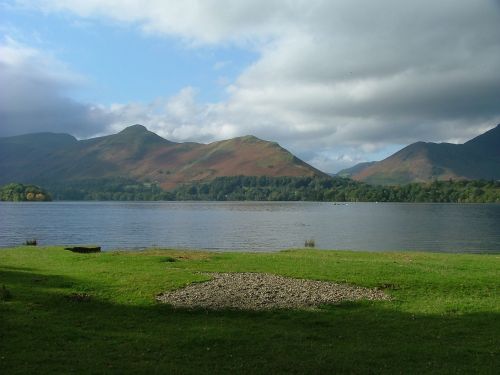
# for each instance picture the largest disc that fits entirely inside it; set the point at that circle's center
(261, 291)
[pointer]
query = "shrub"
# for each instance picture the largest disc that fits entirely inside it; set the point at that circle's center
(310, 243)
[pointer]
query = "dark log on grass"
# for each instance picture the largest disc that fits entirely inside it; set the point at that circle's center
(84, 249)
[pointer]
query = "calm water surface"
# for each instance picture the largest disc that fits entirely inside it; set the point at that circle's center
(255, 226)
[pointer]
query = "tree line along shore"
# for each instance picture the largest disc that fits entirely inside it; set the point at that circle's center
(253, 188)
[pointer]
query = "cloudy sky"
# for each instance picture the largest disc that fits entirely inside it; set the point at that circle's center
(334, 81)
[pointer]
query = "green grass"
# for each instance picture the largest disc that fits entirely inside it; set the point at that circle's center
(444, 316)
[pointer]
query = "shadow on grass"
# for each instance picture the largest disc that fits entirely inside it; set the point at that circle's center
(12, 268)
(44, 331)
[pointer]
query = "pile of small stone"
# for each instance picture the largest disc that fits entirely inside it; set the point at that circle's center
(261, 291)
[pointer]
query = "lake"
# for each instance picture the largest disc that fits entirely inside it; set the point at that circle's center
(255, 226)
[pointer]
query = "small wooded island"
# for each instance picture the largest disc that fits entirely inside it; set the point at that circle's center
(23, 193)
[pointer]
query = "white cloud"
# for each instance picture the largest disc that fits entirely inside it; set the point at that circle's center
(178, 118)
(197, 21)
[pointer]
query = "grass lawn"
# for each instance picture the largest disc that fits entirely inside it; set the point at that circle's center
(444, 316)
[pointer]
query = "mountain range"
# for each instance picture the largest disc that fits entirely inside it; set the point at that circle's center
(479, 158)
(142, 155)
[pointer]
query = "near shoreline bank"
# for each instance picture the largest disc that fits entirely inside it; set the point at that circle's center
(88, 313)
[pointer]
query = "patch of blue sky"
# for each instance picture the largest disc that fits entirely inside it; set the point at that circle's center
(121, 63)
(384, 152)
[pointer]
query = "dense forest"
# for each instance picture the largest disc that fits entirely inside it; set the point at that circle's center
(337, 190)
(23, 193)
(334, 189)
(107, 189)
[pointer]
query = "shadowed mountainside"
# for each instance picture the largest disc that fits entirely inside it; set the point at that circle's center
(140, 154)
(478, 158)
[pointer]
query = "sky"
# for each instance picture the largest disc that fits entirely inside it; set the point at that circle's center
(336, 82)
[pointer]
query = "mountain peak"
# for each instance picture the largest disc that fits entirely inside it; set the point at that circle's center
(250, 137)
(138, 133)
(137, 128)
(487, 143)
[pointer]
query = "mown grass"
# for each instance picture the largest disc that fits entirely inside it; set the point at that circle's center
(443, 318)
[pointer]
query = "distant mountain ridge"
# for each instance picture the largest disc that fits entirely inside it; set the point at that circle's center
(479, 158)
(349, 172)
(138, 153)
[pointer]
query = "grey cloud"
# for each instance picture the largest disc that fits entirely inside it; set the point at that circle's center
(377, 90)
(33, 96)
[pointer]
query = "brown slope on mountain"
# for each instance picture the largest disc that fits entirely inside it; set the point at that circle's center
(138, 153)
(478, 158)
(411, 164)
(247, 156)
